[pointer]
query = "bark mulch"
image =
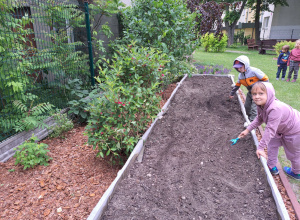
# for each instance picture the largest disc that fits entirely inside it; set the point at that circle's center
(69, 188)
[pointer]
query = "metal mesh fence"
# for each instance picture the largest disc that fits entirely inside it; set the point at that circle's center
(43, 44)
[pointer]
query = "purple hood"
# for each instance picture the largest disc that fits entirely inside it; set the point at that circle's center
(271, 97)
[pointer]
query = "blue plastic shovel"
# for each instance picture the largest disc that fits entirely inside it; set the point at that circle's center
(233, 141)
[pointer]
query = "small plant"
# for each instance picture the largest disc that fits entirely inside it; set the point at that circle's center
(63, 124)
(81, 97)
(212, 43)
(30, 154)
(239, 37)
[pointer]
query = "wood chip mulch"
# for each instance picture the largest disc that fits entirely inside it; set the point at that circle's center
(69, 188)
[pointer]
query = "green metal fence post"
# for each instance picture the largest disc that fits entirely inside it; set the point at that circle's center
(89, 38)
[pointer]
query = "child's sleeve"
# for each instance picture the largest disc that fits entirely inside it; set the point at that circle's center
(255, 123)
(261, 75)
(279, 58)
(274, 119)
(235, 88)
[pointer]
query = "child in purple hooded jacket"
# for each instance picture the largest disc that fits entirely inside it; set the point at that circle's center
(282, 129)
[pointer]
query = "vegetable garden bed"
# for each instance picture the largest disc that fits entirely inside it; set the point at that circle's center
(189, 170)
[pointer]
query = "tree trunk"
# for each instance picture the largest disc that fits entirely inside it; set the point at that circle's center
(230, 33)
(256, 25)
(231, 27)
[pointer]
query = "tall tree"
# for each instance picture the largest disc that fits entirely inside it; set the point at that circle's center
(262, 5)
(211, 15)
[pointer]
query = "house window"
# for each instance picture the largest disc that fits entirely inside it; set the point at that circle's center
(266, 22)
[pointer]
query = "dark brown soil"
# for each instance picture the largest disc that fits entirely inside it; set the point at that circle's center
(190, 170)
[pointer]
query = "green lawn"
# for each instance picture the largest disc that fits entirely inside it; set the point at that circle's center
(285, 91)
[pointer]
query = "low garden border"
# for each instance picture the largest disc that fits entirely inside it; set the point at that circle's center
(7, 146)
(137, 153)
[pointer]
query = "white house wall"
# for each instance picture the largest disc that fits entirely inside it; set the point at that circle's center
(266, 22)
(286, 21)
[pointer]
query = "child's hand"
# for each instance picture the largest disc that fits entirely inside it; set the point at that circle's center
(243, 133)
(261, 153)
(278, 65)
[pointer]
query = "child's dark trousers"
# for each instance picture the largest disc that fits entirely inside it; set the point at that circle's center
(282, 68)
(294, 67)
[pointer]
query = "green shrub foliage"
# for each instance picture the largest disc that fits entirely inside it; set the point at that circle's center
(134, 61)
(80, 97)
(129, 102)
(214, 44)
(63, 124)
(279, 45)
(164, 24)
(30, 154)
(29, 114)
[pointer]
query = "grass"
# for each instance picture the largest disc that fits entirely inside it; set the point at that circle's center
(285, 91)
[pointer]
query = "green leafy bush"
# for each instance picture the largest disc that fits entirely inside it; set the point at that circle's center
(30, 154)
(14, 54)
(28, 114)
(239, 37)
(134, 61)
(129, 102)
(80, 98)
(63, 124)
(121, 116)
(279, 45)
(166, 25)
(214, 44)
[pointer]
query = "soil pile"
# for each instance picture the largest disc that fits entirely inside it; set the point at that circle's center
(189, 169)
